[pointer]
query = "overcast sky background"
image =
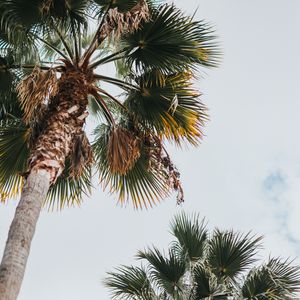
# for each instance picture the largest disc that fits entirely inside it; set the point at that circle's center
(245, 175)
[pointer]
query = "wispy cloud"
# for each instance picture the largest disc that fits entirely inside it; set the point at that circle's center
(276, 188)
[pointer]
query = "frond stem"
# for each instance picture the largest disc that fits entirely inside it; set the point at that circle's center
(95, 41)
(118, 82)
(108, 58)
(29, 67)
(109, 117)
(68, 49)
(51, 46)
(75, 42)
(112, 97)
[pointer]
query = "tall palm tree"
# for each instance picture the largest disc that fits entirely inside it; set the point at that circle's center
(201, 265)
(52, 54)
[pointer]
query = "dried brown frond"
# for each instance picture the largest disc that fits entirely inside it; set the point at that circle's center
(160, 161)
(46, 6)
(82, 155)
(35, 91)
(123, 150)
(120, 23)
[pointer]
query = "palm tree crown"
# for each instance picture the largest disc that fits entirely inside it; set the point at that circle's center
(52, 54)
(202, 265)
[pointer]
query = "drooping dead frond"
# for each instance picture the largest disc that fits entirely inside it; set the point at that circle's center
(123, 150)
(160, 161)
(35, 92)
(120, 23)
(82, 155)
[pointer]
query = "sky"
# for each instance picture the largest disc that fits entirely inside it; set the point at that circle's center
(245, 175)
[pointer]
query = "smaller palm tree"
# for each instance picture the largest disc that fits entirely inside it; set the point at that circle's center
(199, 265)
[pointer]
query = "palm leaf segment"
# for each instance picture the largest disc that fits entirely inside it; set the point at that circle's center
(195, 268)
(158, 49)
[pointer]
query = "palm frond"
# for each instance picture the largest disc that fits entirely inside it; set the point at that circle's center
(167, 272)
(121, 5)
(171, 42)
(21, 13)
(82, 155)
(144, 185)
(275, 280)
(14, 152)
(123, 22)
(153, 105)
(205, 285)
(191, 235)
(231, 253)
(65, 11)
(69, 190)
(35, 91)
(123, 150)
(129, 283)
(9, 104)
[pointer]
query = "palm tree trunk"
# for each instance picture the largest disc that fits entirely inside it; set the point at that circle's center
(61, 125)
(21, 232)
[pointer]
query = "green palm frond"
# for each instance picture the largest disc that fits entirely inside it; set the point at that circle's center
(231, 253)
(14, 152)
(169, 106)
(69, 190)
(275, 280)
(167, 272)
(35, 12)
(171, 42)
(9, 104)
(205, 285)
(145, 186)
(64, 10)
(129, 283)
(286, 275)
(191, 235)
(20, 13)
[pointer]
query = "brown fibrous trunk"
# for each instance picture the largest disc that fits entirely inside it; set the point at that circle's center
(63, 123)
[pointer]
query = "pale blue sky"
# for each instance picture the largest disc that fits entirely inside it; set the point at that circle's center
(253, 135)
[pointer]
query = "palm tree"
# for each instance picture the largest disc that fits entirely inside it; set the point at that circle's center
(52, 57)
(202, 265)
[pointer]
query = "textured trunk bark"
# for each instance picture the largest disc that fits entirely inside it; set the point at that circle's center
(62, 124)
(21, 233)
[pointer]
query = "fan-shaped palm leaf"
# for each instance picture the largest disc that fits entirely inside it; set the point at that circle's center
(167, 272)
(169, 106)
(275, 280)
(129, 283)
(231, 253)
(170, 42)
(191, 235)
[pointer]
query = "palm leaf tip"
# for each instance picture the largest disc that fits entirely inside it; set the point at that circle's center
(192, 236)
